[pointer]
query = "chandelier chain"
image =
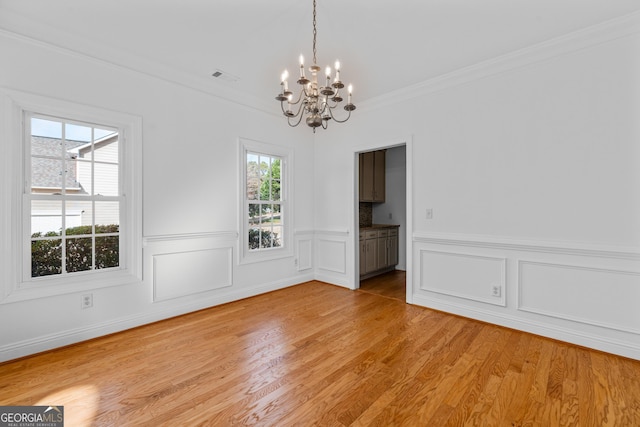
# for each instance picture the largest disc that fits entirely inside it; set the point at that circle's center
(315, 33)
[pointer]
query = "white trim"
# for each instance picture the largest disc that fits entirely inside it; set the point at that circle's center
(163, 310)
(286, 191)
(85, 49)
(407, 141)
(340, 248)
(566, 44)
(335, 233)
(222, 235)
(501, 301)
(596, 341)
(9, 131)
(304, 249)
(409, 220)
(124, 61)
(214, 283)
(15, 288)
(522, 307)
(530, 245)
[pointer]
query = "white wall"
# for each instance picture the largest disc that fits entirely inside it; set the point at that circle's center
(531, 166)
(395, 199)
(190, 199)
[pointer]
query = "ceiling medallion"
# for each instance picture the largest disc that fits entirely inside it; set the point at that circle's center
(315, 102)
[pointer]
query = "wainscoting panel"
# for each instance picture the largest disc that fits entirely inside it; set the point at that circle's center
(582, 293)
(186, 264)
(304, 253)
(186, 273)
(595, 296)
(332, 255)
(463, 275)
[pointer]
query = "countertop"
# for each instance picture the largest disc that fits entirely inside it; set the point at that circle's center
(378, 226)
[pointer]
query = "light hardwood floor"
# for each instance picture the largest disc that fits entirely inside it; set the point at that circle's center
(316, 354)
(391, 285)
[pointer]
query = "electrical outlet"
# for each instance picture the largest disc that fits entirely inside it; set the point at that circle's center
(429, 213)
(496, 290)
(87, 301)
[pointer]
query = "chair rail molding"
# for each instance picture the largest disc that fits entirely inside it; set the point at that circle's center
(577, 292)
(530, 245)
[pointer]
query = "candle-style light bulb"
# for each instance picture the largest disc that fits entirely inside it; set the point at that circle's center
(350, 91)
(327, 71)
(337, 71)
(301, 66)
(285, 76)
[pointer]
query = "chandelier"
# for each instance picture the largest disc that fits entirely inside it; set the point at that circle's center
(315, 101)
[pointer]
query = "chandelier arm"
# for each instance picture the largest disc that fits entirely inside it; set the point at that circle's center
(297, 123)
(297, 101)
(282, 108)
(298, 113)
(323, 109)
(292, 103)
(332, 106)
(300, 108)
(339, 121)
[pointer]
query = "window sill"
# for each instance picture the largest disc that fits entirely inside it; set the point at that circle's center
(50, 287)
(267, 255)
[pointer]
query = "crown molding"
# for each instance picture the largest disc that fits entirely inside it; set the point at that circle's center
(607, 31)
(600, 33)
(16, 27)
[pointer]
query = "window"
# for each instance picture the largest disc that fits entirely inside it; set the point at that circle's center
(266, 215)
(71, 199)
(74, 197)
(264, 202)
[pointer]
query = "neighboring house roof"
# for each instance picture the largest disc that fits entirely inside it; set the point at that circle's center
(45, 172)
(85, 147)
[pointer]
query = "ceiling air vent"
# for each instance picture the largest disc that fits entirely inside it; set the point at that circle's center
(223, 75)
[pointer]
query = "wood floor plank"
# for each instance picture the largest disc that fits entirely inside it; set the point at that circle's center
(316, 354)
(390, 285)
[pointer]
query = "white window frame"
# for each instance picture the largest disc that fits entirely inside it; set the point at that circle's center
(286, 189)
(65, 197)
(16, 283)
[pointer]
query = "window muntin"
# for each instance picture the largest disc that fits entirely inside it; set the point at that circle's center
(73, 194)
(264, 202)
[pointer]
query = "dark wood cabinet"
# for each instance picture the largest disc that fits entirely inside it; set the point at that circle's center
(372, 176)
(378, 250)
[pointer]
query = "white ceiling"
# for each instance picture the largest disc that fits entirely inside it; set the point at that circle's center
(383, 45)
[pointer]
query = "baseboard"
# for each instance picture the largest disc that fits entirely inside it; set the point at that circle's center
(590, 340)
(333, 280)
(73, 336)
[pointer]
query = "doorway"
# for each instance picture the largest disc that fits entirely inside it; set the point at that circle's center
(392, 284)
(384, 219)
